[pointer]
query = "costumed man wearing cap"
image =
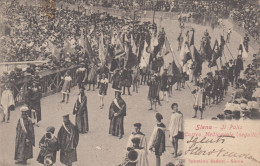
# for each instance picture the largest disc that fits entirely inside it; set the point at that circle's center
(127, 80)
(103, 89)
(153, 92)
(239, 65)
(81, 111)
(136, 78)
(33, 101)
(199, 103)
(216, 83)
(231, 67)
(81, 75)
(7, 103)
(25, 138)
(136, 155)
(137, 134)
(92, 77)
(103, 70)
(176, 128)
(49, 147)
(228, 35)
(68, 139)
(116, 85)
(165, 85)
(117, 112)
(66, 87)
(208, 87)
(157, 141)
(246, 41)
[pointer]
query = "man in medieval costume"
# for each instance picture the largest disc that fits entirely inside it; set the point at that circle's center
(81, 75)
(180, 40)
(165, 85)
(136, 78)
(137, 134)
(153, 94)
(81, 112)
(117, 81)
(33, 101)
(92, 76)
(238, 67)
(49, 146)
(157, 140)
(175, 127)
(127, 80)
(68, 138)
(25, 138)
(7, 103)
(136, 155)
(199, 103)
(117, 112)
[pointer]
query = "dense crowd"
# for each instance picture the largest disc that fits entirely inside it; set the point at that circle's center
(244, 104)
(247, 17)
(241, 11)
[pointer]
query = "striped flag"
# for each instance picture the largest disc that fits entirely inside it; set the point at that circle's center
(185, 51)
(145, 56)
(134, 48)
(101, 49)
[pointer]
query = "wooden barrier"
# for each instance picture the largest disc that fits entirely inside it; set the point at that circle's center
(50, 81)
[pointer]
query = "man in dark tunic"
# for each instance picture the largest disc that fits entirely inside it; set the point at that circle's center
(153, 93)
(81, 112)
(102, 70)
(165, 85)
(231, 72)
(157, 141)
(127, 80)
(49, 146)
(33, 100)
(239, 65)
(117, 112)
(246, 41)
(68, 138)
(25, 139)
(216, 86)
(81, 75)
(117, 79)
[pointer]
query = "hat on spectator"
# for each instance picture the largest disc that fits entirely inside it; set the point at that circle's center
(24, 109)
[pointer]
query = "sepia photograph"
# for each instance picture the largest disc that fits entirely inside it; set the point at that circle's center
(129, 82)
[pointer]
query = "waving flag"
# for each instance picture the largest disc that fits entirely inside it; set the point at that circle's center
(192, 39)
(175, 72)
(88, 51)
(165, 48)
(131, 59)
(216, 54)
(185, 51)
(145, 56)
(119, 50)
(134, 48)
(101, 49)
(113, 40)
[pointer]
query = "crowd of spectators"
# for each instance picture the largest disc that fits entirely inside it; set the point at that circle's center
(35, 35)
(245, 97)
(247, 17)
(241, 11)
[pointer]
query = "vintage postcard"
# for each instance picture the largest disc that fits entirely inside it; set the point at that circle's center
(129, 83)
